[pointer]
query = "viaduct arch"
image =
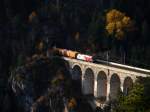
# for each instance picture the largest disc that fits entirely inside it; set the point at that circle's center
(102, 85)
(114, 86)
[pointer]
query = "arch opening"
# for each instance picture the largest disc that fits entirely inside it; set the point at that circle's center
(77, 80)
(76, 73)
(88, 82)
(114, 86)
(127, 85)
(101, 86)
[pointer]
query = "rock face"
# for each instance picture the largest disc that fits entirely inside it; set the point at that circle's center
(41, 84)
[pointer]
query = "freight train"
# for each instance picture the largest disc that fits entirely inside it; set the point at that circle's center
(94, 59)
(72, 54)
(78, 56)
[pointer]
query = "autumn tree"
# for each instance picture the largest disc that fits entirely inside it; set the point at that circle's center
(118, 24)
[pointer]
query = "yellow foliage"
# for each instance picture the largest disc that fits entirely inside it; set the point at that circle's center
(72, 103)
(125, 20)
(110, 28)
(127, 23)
(117, 23)
(114, 16)
(32, 15)
(41, 45)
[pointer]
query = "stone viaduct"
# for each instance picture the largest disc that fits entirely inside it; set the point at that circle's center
(103, 81)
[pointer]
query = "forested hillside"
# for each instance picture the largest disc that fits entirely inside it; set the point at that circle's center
(73, 24)
(78, 25)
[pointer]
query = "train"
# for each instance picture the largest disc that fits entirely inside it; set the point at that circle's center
(72, 54)
(93, 59)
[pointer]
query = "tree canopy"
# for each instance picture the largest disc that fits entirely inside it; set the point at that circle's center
(138, 99)
(117, 23)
